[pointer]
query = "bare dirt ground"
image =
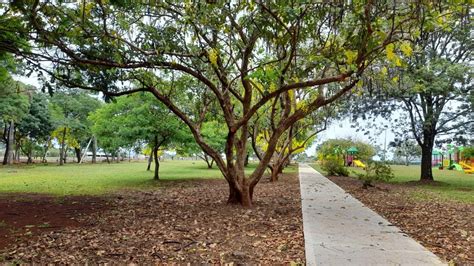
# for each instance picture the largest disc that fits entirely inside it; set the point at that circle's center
(446, 228)
(183, 222)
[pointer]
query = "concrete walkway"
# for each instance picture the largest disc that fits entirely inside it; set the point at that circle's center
(340, 230)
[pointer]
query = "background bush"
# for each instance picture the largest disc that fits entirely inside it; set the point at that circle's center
(334, 166)
(375, 171)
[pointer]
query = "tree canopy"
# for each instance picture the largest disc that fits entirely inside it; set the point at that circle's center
(236, 57)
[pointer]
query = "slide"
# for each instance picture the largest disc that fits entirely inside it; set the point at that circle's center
(457, 167)
(359, 163)
(467, 168)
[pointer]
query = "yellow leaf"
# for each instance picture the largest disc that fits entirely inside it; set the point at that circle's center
(213, 56)
(406, 48)
(398, 61)
(389, 50)
(272, 87)
(359, 84)
(395, 79)
(351, 56)
(384, 71)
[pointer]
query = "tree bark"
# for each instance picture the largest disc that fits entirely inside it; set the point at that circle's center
(62, 149)
(426, 170)
(157, 165)
(8, 159)
(45, 150)
(209, 161)
(150, 160)
(241, 196)
(17, 153)
(78, 154)
(276, 170)
(66, 148)
(94, 149)
(157, 162)
(246, 163)
(29, 155)
(426, 155)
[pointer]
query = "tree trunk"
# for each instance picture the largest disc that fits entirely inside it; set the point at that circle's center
(426, 171)
(8, 159)
(246, 163)
(209, 161)
(65, 153)
(274, 174)
(150, 160)
(29, 155)
(242, 196)
(78, 154)
(94, 149)
(62, 149)
(157, 164)
(17, 153)
(45, 150)
(276, 170)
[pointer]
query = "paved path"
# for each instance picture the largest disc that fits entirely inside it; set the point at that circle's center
(340, 230)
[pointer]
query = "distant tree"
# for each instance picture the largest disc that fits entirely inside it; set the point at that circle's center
(36, 126)
(339, 147)
(72, 129)
(135, 120)
(14, 106)
(215, 135)
(406, 149)
(468, 153)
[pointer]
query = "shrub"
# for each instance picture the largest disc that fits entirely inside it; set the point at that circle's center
(468, 153)
(375, 171)
(334, 166)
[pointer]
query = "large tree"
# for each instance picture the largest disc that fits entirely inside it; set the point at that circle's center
(427, 92)
(239, 55)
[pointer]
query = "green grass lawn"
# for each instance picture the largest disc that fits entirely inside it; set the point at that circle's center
(89, 179)
(451, 184)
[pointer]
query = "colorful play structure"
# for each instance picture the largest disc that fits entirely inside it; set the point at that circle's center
(452, 159)
(351, 158)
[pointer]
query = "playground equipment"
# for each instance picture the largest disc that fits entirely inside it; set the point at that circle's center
(451, 159)
(359, 164)
(351, 158)
(468, 169)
